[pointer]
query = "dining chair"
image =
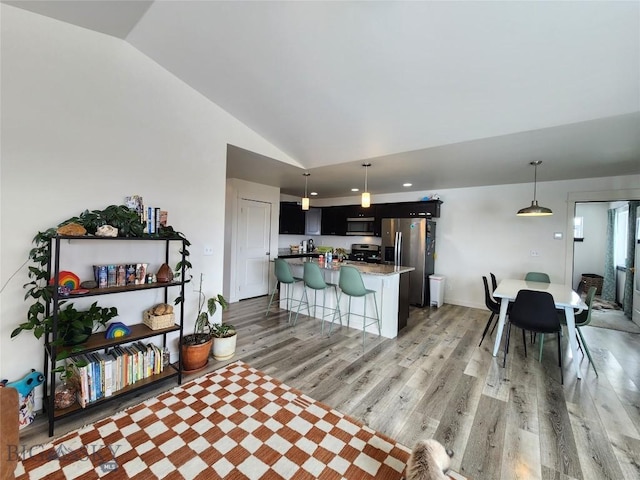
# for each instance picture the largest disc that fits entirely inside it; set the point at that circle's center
(494, 283)
(282, 271)
(537, 277)
(352, 285)
(492, 305)
(314, 279)
(582, 320)
(534, 311)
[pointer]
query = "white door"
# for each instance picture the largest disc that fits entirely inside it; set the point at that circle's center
(254, 233)
(635, 316)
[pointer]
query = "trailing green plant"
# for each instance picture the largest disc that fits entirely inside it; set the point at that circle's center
(127, 221)
(73, 328)
(207, 308)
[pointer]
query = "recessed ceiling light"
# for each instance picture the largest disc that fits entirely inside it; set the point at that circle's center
(313, 194)
(355, 189)
(407, 184)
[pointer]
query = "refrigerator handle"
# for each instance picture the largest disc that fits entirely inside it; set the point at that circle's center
(398, 250)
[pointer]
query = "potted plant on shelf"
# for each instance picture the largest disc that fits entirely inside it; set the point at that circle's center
(224, 341)
(74, 326)
(196, 346)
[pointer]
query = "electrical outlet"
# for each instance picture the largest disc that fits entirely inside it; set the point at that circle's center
(534, 253)
(208, 251)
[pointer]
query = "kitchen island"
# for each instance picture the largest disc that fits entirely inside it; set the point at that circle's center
(390, 282)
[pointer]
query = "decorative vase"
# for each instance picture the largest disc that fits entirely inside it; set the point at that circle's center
(65, 396)
(164, 274)
(224, 347)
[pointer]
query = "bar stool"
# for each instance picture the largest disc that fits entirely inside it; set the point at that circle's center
(352, 285)
(313, 278)
(282, 271)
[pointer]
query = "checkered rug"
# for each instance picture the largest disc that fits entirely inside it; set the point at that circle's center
(235, 423)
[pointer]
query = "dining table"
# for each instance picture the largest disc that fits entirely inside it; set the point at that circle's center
(564, 297)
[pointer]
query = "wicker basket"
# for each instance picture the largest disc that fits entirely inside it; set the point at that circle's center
(592, 280)
(158, 322)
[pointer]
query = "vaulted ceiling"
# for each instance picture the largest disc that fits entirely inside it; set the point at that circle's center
(439, 94)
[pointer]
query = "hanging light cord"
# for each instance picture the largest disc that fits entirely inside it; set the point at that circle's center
(535, 180)
(366, 171)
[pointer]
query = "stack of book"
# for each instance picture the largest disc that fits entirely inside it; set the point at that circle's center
(101, 374)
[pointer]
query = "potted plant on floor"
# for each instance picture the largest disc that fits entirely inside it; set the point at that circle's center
(224, 340)
(196, 346)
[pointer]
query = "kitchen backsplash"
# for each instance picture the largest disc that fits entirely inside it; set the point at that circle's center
(284, 241)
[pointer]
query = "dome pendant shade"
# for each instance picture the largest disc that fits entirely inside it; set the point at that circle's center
(535, 210)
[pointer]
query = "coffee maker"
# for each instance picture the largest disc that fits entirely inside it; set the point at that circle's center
(310, 246)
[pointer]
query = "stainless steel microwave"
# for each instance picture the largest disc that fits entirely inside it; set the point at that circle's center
(360, 226)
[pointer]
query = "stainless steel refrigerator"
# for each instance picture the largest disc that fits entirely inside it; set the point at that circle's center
(411, 242)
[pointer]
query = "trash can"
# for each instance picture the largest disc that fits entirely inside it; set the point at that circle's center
(436, 289)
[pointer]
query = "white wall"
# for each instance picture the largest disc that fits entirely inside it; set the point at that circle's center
(589, 254)
(87, 120)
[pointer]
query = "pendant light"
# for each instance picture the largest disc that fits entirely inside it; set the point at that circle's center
(366, 196)
(534, 210)
(305, 199)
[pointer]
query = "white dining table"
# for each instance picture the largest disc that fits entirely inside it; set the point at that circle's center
(563, 296)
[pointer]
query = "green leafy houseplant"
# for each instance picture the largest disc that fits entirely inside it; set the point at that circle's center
(222, 330)
(203, 328)
(74, 327)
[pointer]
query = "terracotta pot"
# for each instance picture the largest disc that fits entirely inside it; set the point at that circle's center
(224, 348)
(195, 357)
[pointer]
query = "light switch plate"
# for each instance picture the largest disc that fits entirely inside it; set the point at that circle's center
(557, 235)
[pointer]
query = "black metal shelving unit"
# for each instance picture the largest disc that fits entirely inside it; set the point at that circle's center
(97, 341)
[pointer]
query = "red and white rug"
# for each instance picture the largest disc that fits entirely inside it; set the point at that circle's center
(235, 423)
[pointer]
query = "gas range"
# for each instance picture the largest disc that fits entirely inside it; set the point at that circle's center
(364, 252)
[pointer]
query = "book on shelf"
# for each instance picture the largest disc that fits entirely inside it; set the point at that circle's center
(103, 374)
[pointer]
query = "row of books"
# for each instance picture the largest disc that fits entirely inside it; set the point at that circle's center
(152, 217)
(101, 374)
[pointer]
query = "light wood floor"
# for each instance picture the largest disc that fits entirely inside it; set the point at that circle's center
(516, 422)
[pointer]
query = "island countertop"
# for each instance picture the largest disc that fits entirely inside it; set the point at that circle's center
(364, 267)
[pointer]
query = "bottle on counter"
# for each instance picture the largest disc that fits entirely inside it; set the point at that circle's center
(329, 256)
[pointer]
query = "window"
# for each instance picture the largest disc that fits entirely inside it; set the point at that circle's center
(578, 229)
(620, 236)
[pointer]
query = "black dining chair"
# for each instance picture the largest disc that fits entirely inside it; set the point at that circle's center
(494, 282)
(534, 311)
(492, 305)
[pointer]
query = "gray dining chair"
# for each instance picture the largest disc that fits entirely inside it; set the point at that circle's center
(582, 320)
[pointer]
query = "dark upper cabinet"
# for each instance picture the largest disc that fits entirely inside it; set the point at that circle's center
(428, 209)
(334, 220)
(292, 218)
(357, 211)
